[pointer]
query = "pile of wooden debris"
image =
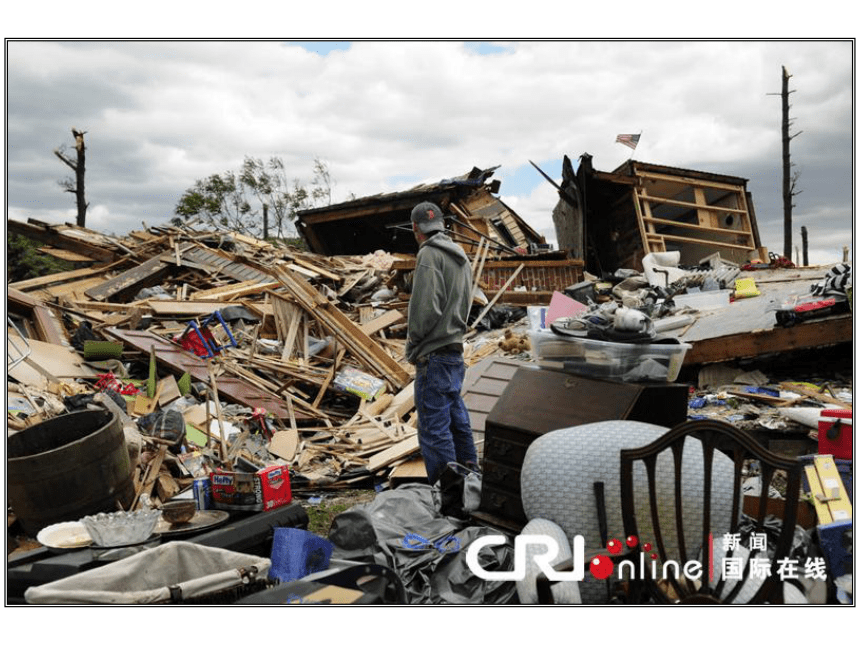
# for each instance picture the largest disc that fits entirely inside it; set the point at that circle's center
(270, 355)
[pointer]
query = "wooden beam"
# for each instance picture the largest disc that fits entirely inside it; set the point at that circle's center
(708, 229)
(693, 205)
(382, 321)
(50, 235)
(497, 296)
(811, 334)
(692, 240)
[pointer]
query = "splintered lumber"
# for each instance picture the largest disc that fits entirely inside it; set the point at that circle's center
(231, 291)
(288, 317)
(149, 273)
(402, 403)
(814, 393)
(363, 348)
(497, 296)
(214, 385)
(54, 278)
(381, 322)
(411, 469)
(317, 269)
(390, 455)
(181, 309)
(153, 469)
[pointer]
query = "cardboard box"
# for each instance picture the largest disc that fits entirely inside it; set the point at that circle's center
(264, 490)
(829, 496)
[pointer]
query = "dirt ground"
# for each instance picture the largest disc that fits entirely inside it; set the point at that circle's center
(324, 508)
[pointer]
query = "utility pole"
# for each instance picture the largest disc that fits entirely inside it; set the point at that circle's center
(789, 181)
(804, 246)
(78, 165)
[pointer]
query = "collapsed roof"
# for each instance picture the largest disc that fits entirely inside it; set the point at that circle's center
(383, 221)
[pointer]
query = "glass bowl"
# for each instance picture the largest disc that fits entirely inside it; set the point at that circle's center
(121, 528)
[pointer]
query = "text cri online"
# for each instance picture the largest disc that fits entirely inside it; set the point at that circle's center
(692, 569)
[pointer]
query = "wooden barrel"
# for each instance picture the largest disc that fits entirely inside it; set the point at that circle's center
(70, 466)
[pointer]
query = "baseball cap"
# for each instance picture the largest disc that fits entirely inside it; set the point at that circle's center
(429, 217)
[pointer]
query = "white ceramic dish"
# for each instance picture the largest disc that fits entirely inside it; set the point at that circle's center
(65, 535)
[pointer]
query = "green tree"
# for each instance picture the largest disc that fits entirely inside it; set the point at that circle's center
(236, 201)
(24, 260)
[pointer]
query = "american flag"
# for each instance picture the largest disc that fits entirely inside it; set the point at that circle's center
(629, 140)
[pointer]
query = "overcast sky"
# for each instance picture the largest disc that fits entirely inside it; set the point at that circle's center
(386, 115)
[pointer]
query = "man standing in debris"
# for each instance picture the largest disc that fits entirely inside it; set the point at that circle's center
(438, 311)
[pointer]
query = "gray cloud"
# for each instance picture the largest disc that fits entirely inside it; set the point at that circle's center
(160, 115)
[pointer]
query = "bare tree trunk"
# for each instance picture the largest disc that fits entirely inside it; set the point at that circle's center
(79, 166)
(786, 168)
(79, 177)
(265, 221)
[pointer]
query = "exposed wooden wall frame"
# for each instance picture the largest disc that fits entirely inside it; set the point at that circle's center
(690, 214)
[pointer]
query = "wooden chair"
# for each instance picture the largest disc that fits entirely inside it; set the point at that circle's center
(739, 447)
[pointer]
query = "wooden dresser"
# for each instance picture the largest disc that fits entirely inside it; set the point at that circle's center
(537, 401)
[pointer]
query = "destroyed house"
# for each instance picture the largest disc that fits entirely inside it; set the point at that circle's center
(613, 219)
(364, 225)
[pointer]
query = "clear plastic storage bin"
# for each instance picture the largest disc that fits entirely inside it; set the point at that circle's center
(603, 359)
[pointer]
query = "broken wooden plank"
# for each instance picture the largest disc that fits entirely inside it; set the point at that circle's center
(389, 456)
(129, 282)
(183, 309)
(382, 321)
(53, 278)
(497, 296)
(55, 237)
(232, 291)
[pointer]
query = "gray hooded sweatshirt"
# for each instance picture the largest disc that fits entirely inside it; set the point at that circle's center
(440, 300)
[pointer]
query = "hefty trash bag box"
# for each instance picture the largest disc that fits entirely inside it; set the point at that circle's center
(264, 490)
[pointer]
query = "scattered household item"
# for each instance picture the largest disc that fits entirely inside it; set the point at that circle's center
(607, 359)
(102, 349)
(581, 292)
(561, 468)
(178, 511)
(537, 402)
(836, 434)
(703, 300)
(686, 529)
(537, 317)
(121, 528)
(297, 553)
(661, 269)
(177, 572)
(746, 288)
(69, 466)
(65, 536)
(561, 306)
(359, 584)
(203, 342)
(828, 493)
(264, 490)
(362, 384)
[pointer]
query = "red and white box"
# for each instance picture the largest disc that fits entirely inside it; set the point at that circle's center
(264, 490)
(836, 434)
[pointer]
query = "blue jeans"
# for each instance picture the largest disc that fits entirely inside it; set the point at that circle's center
(444, 427)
